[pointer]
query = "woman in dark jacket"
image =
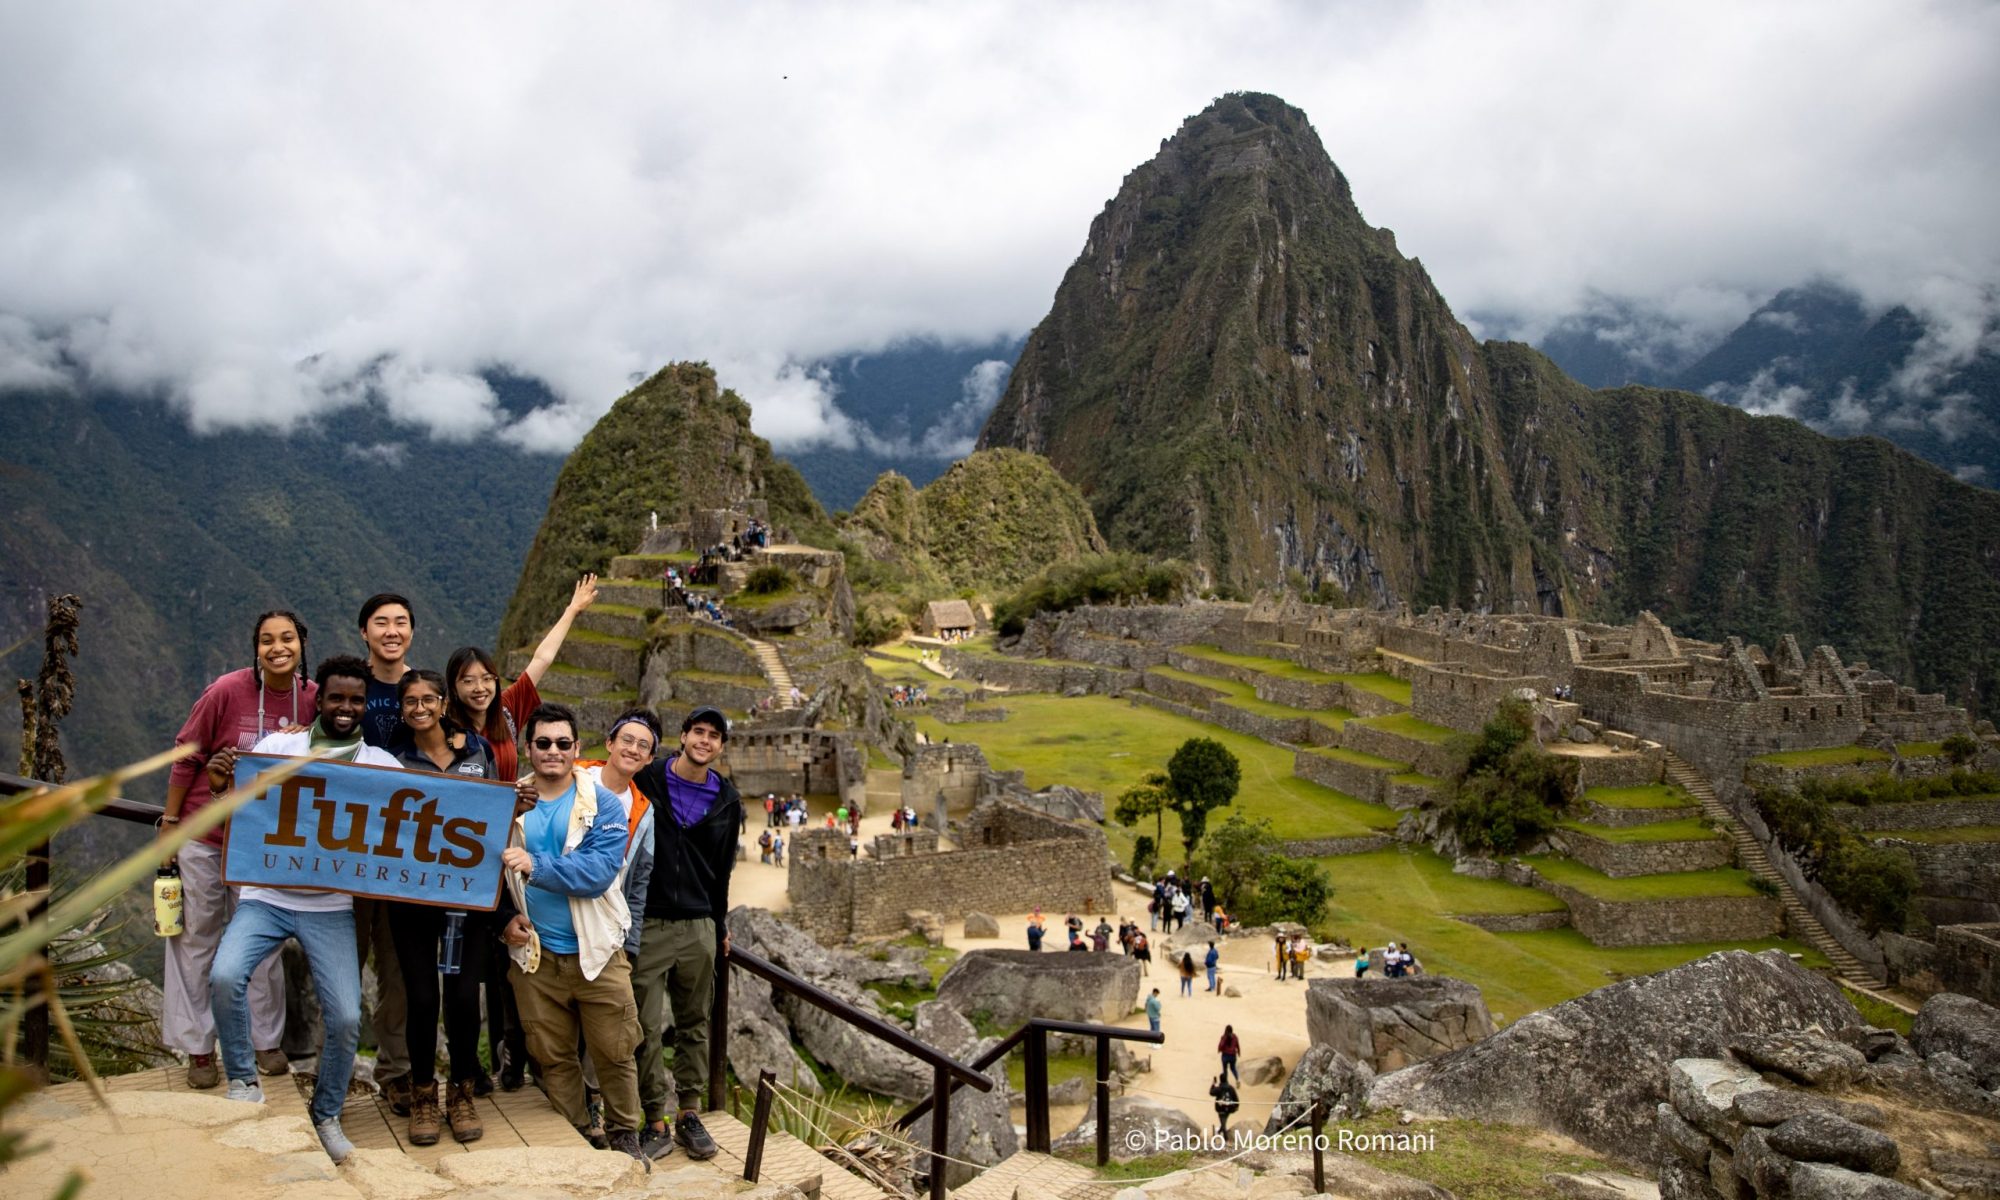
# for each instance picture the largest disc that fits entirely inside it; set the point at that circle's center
(435, 743)
(1226, 1101)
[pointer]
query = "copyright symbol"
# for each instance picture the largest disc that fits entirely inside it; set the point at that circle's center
(1135, 1140)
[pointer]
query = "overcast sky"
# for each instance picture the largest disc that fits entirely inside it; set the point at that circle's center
(260, 209)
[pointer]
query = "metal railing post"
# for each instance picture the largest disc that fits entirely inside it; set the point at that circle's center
(940, 1129)
(1035, 1082)
(1103, 1099)
(760, 1121)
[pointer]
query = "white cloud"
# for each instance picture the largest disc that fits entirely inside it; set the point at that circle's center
(265, 211)
(1763, 395)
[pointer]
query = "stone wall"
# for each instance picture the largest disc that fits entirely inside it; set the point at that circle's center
(1403, 794)
(808, 761)
(1968, 958)
(1661, 922)
(1326, 847)
(1427, 758)
(1456, 697)
(1628, 769)
(1049, 635)
(1621, 860)
(1361, 782)
(1910, 963)
(1515, 922)
(952, 771)
(1011, 857)
(1936, 814)
(1591, 813)
(1020, 675)
(1958, 883)
(1279, 731)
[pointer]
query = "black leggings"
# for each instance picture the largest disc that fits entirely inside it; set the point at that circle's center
(417, 929)
(503, 1018)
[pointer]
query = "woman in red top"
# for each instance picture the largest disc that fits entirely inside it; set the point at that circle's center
(235, 711)
(478, 704)
(1229, 1048)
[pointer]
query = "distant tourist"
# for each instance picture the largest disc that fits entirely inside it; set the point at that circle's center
(1207, 900)
(764, 847)
(1035, 934)
(1230, 1049)
(1187, 974)
(1180, 910)
(234, 713)
(1361, 963)
(1284, 957)
(1153, 1011)
(1301, 951)
(778, 849)
(1100, 937)
(1210, 961)
(1142, 950)
(1226, 1102)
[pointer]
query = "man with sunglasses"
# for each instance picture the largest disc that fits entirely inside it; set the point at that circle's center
(566, 922)
(696, 815)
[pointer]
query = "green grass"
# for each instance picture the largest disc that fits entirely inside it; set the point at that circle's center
(1417, 779)
(1062, 1069)
(1244, 696)
(1405, 725)
(1688, 829)
(606, 639)
(1360, 758)
(1408, 894)
(755, 681)
(1380, 683)
(1831, 756)
(1961, 833)
(878, 761)
(1102, 744)
(1679, 885)
(1277, 668)
(1919, 749)
(1652, 795)
(678, 556)
(1879, 1013)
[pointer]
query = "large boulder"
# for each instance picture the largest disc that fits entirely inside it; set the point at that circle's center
(1391, 1023)
(1139, 1127)
(981, 925)
(1010, 986)
(1959, 1025)
(981, 1128)
(1323, 1073)
(1595, 1068)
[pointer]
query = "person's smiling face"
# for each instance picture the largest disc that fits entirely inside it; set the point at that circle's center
(422, 706)
(279, 647)
(632, 749)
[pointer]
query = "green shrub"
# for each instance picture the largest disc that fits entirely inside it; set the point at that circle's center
(1091, 579)
(1235, 856)
(1144, 854)
(1873, 883)
(1509, 793)
(1960, 749)
(1884, 788)
(768, 580)
(1292, 889)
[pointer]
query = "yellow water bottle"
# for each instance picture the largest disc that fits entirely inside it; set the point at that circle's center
(167, 901)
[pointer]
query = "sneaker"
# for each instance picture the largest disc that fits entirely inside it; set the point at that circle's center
(397, 1092)
(245, 1090)
(597, 1140)
(273, 1062)
(693, 1136)
(513, 1076)
(656, 1143)
(483, 1085)
(203, 1073)
(425, 1120)
(627, 1142)
(334, 1140)
(462, 1113)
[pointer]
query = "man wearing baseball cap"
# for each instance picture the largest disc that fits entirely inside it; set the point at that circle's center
(697, 813)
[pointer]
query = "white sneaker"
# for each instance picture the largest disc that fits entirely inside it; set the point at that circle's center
(246, 1090)
(334, 1140)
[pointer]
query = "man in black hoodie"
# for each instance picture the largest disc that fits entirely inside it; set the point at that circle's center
(696, 816)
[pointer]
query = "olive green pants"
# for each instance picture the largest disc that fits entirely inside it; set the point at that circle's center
(557, 1003)
(674, 982)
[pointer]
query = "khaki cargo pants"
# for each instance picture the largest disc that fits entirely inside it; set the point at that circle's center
(556, 1001)
(674, 982)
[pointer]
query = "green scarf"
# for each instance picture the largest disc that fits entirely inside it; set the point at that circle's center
(318, 738)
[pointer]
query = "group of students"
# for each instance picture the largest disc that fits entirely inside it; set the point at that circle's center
(607, 932)
(1397, 961)
(1175, 902)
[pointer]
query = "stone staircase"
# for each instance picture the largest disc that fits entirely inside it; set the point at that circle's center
(1751, 856)
(774, 668)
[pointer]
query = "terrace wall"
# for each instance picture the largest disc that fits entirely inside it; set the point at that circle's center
(1428, 758)
(1662, 922)
(1968, 960)
(1621, 860)
(1451, 695)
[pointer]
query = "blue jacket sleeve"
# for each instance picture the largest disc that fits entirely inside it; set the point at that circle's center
(593, 866)
(638, 873)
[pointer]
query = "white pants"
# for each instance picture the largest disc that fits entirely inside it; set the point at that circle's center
(187, 1024)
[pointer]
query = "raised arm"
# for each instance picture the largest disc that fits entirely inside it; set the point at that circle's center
(545, 654)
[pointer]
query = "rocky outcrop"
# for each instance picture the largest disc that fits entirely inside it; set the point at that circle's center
(1964, 1028)
(1594, 1068)
(1327, 1075)
(1391, 1023)
(981, 925)
(1012, 985)
(1139, 1127)
(981, 1128)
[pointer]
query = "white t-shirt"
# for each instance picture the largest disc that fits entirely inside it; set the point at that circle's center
(309, 899)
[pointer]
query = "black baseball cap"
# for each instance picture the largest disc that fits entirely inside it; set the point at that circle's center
(707, 715)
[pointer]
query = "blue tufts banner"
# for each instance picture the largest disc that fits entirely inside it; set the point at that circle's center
(372, 831)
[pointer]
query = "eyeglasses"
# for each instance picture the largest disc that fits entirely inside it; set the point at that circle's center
(470, 680)
(422, 701)
(554, 743)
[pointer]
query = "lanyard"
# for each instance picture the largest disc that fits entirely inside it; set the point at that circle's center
(261, 689)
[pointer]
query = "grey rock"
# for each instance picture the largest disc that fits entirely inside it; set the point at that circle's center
(1902, 1077)
(1677, 1137)
(1872, 1040)
(1772, 1106)
(1950, 1066)
(1704, 1092)
(940, 1025)
(1594, 1068)
(1679, 1181)
(1822, 1181)
(1152, 1121)
(925, 924)
(1268, 1069)
(1074, 1090)
(1230, 990)
(857, 1057)
(1322, 1073)
(1722, 1175)
(1967, 1171)
(1195, 935)
(1013, 985)
(1823, 1137)
(1391, 1023)
(1805, 1057)
(1950, 1023)
(981, 1129)
(981, 925)
(1762, 1170)
(1071, 804)
(1601, 1185)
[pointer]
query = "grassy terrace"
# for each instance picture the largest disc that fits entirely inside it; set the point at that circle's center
(661, 560)
(1405, 725)
(1832, 756)
(1690, 829)
(1919, 749)
(756, 681)
(1103, 744)
(1681, 885)
(1408, 895)
(1359, 758)
(1243, 696)
(1962, 833)
(1417, 779)
(1652, 795)
(1277, 668)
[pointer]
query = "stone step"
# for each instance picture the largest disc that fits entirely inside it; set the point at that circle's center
(1026, 1173)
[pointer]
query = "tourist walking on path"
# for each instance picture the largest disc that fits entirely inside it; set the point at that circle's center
(234, 713)
(1143, 951)
(1361, 963)
(685, 933)
(323, 922)
(565, 926)
(1187, 974)
(778, 849)
(1229, 1048)
(1226, 1102)
(1210, 961)
(1180, 909)
(1153, 1011)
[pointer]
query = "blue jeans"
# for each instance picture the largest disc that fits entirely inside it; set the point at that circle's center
(1153, 1022)
(328, 940)
(1187, 985)
(1211, 979)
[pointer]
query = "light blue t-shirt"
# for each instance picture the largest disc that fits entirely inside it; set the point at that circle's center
(1153, 1006)
(544, 830)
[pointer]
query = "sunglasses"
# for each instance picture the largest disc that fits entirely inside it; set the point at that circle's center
(554, 743)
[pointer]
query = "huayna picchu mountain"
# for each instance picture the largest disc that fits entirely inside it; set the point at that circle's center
(1241, 371)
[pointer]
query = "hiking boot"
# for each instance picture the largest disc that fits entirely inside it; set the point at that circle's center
(656, 1143)
(593, 1103)
(203, 1073)
(273, 1062)
(246, 1091)
(333, 1140)
(693, 1137)
(462, 1113)
(597, 1140)
(425, 1120)
(397, 1093)
(513, 1077)
(627, 1142)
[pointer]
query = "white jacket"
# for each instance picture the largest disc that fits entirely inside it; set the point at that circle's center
(600, 921)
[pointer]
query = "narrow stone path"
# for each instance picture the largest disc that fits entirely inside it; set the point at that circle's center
(1751, 856)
